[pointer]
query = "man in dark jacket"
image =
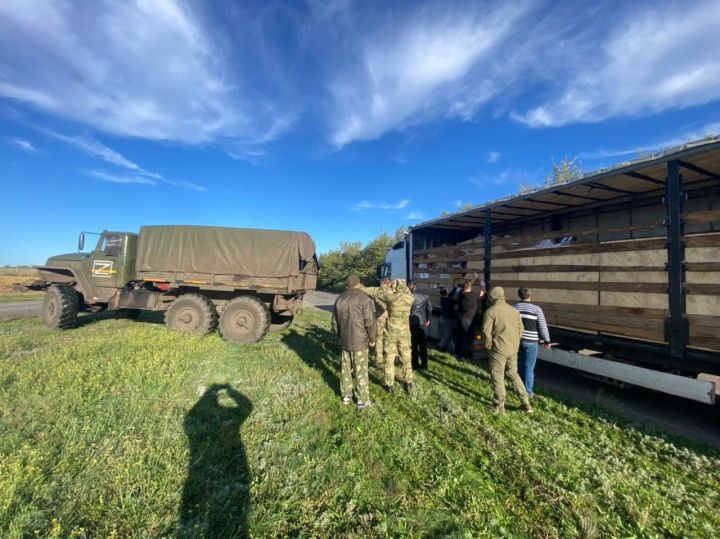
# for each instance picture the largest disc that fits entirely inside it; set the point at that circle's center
(419, 322)
(353, 321)
(448, 316)
(469, 306)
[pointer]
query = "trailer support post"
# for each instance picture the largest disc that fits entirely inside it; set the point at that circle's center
(677, 327)
(487, 248)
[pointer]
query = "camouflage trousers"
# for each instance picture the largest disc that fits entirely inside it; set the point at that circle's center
(501, 366)
(398, 344)
(379, 341)
(354, 375)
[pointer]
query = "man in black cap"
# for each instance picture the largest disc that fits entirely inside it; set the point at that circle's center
(419, 322)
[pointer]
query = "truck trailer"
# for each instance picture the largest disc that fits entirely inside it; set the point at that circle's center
(244, 282)
(625, 263)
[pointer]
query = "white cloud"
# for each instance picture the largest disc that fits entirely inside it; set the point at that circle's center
(659, 59)
(418, 68)
(493, 157)
(146, 69)
(365, 205)
(416, 215)
(116, 178)
(24, 145)
(707, 130)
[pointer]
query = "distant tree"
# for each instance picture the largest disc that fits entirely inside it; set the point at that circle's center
(354, 258)
(526, 188)
(566, 171)
(445, 214)
(466, 207)
(400, 233)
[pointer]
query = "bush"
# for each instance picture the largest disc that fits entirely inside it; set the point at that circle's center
(354, 258)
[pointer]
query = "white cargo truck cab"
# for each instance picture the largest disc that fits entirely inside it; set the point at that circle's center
(396, 261)
(625, 263)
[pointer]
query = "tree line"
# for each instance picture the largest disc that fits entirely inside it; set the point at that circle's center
(352, 257)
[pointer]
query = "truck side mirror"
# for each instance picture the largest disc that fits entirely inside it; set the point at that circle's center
(81, 241)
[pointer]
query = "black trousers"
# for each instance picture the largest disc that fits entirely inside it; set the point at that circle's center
(418, 343)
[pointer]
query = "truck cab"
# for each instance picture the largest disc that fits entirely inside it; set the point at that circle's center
(100, 273)
(396, 261)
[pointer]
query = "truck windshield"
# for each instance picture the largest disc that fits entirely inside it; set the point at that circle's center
(111, 245)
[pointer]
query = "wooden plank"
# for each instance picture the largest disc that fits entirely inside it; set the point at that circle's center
(707, 216)
(702, 266)
(630, 299)
(613, 329)
(702, 255)
(617, 312)
(580, 319)
(572, 267)
(657, 288)
(703, 240)
(702, 277)
(509, 240)
(706, 343)
(703, 288)
(704, 320)
(606, 247)
(582, 297)
(700, 304)
(632, 276)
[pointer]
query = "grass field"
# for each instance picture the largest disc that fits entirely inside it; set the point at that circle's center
(10, 276)
(119, 428)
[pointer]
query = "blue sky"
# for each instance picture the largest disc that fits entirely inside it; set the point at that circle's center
(341, 118)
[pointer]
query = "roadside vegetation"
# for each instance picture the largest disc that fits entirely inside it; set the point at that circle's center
(120, 428)
(352, 257)
(9, 276)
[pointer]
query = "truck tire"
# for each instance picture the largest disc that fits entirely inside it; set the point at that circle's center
(279, 323)
(191, 314)
(60, 307)
(244, 319)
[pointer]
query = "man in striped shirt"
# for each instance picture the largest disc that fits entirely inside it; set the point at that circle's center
(533, 320)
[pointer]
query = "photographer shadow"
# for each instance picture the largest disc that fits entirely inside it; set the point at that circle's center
(216, 495)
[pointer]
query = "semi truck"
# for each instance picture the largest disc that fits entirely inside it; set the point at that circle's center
(245, 282)
(624, 261)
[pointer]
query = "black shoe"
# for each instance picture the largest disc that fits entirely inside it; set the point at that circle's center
(407, 387)
(389, 389)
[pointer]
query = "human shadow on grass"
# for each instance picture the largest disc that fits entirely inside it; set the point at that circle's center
(216, 496)
(318, 349)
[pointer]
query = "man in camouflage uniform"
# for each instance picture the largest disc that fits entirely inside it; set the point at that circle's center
(353, 321)
(381, 316)
(398, 300)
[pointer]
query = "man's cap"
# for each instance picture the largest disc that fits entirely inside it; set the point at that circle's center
(497, 292)
(353, 281)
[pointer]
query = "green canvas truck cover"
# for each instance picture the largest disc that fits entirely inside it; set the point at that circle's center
(225, 251)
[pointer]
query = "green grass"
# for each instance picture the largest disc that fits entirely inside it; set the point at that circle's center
(121, 428)
(26, 296)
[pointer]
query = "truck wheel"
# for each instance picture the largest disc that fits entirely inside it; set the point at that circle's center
(279, 323)
(191, 314)
(60, 307)
(244, 319)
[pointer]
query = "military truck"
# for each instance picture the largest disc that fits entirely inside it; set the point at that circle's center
(245, 282)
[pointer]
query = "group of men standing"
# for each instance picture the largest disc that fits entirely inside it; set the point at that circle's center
(394, 318)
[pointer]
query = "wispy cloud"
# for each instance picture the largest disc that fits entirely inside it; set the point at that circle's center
(711, 129)
(415, 215)
(493, 157)
(118, 178)
(417, 68)
(365, 205)
(659, 58)
(94, 147)
(24, 145)
(147, 69)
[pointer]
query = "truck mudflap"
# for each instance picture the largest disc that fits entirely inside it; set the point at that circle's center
(672, 384)
(30, 285)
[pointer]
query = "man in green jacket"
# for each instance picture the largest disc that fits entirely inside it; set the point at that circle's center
(353, 321)
(502, 331)
(398, 300)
